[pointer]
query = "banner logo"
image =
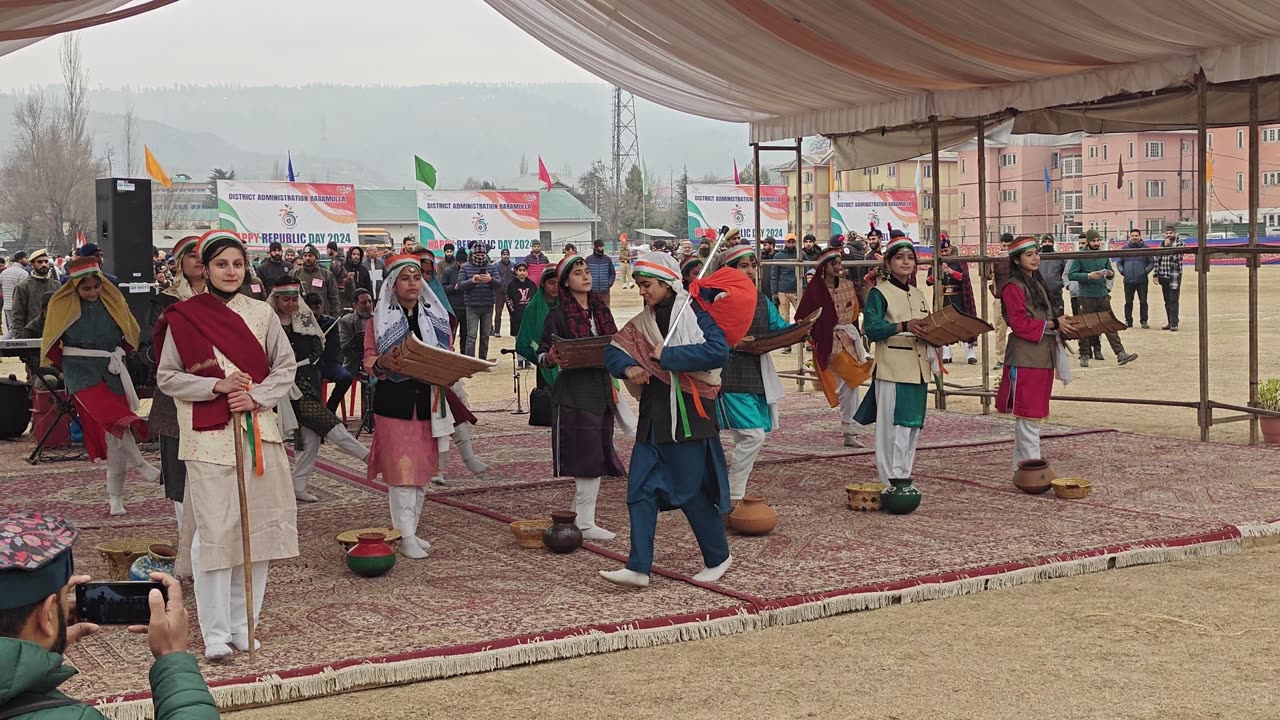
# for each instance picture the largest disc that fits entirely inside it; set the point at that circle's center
(739, 217)
(288, 218)
(479, 224)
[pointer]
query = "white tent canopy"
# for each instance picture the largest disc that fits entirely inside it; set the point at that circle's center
(795, 68)
(26, 21)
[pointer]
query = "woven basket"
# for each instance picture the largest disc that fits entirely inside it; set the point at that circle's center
(1072, 488)
(864, 496)
(775, 341)
(121, 553)
(581, 353)
(349, 538)
(529, 533)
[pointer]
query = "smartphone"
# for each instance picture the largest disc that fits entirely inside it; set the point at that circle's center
(116, 603)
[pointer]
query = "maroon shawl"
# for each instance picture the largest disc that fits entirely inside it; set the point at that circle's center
(580, 318)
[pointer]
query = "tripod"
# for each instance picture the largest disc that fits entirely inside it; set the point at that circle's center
(515, 380)
(65, 408)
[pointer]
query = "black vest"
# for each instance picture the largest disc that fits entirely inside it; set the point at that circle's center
(401, 399)
(742, 373)
(654, 424)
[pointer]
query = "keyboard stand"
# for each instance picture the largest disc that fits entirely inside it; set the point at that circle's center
(65, 409)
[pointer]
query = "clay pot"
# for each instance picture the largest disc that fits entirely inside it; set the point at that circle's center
(371, 556)
(901, 497)
(1270, 429)
(1033, 477)
(563, 536)
(159, 558)
(753, 516)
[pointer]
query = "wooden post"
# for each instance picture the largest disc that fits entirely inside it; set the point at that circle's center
(983, 270)
(799, 269)
(940, 399)
(1253, 259)
(1202, 251)
(755, 160)
(237, 421)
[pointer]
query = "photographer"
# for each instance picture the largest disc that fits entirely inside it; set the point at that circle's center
(37, 624)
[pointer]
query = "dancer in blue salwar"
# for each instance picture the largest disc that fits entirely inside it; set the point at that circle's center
(678, 461)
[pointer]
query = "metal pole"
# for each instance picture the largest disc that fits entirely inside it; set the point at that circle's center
(1202, 251)
(1253, 260)
(940, 400)
(755, 159)
(983, 270)
(799, 269)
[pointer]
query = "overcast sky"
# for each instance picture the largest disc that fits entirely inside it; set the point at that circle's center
(296, 42)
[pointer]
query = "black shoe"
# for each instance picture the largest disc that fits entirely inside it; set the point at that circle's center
(1126, 358)
(1173, 328)
(947, 361)
(1166, 327)
(786, 351)
(1097, 354)
(973, 361)
(1145, 326)
(1084, 361)
(1128, 325)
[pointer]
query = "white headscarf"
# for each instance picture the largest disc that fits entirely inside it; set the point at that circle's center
(391, 326)
(303, 321)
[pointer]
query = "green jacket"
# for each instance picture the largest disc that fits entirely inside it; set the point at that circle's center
(178, 690)
(1078, 271)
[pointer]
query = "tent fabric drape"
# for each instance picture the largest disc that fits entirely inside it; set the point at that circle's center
(24, 23)
(818, 66)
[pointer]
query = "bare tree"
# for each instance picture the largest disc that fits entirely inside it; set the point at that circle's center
(170, 208)
(130, 141)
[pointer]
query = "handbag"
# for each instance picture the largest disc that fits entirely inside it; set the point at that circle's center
(540, 408)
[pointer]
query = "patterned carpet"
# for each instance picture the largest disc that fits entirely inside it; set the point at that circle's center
(480, 603)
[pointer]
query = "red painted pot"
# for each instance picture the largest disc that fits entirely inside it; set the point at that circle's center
(371, 556)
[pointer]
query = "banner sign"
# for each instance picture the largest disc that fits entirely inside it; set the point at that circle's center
(496, 220)
(714, 206)
(859, 211)
(290, 213)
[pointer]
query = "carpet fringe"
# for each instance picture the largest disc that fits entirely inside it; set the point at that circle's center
(1259, 530)
(271, 689)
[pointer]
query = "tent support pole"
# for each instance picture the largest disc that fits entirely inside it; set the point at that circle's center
(799, 269)
(1253, 258)
(755, 163)
(940, 399)
(1202, 251)
(984, 269)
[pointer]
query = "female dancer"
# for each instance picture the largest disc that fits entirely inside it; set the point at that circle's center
(87, 331)
(903, 362)
(583, 400)
(413, 418)
(1034, 350)
(678, 461)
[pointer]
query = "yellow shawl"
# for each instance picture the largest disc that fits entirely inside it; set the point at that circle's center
(64, 306)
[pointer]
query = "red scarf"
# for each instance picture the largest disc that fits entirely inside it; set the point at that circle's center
(200, 324)
(733, 312)
(818, 295)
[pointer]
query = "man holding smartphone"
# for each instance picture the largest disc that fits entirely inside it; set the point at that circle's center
(38, 622)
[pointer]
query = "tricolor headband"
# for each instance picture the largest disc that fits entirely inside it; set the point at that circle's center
(289, 287)
(898, 244)
(737, 254)
(829, 255)
(185, 245)
(215, 240)
(1021, 244)
(82, 267)
(548, 272)
(566, 264)
(644, 268)
(396, 263)
(688, 264)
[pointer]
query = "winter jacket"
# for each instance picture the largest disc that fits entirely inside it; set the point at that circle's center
(478, 294)
(504, 273)
(1078, 270)
(28, 303)
(9, 279)
(450, 273)
(321, 282)
(272, 272)
(1052, 269)
(783, 278)
(1136, 269)
(603, 273)
(178, 690)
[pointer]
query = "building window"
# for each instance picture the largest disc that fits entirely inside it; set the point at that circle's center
(928, 171)
(1155, 150)
(1092, 226)
(1093, 152)
(1057, 196)
(1130, 189)
(1054, 159)
(1104, 152)
(1155, 226)
(1072, 201)
(808, 206)
(1130, 151)
(1271, 135)
(926, 201)
(1093, 191)
(1104, 191)
(1072, 166)
(544, 236)
(1186, 184)
(871, 171)
(1155, 188)
(1273, 221)
(1008, 159)
(1239, 182)
(892, 171)
(1008, 196)
(1209, 142)
(963, 198)
(1271, 178)
(1239, 138)
(1011, 229)
(962, 167)
(1186, 146)
(808, 177)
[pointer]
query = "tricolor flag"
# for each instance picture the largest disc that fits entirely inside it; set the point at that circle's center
(156, 172)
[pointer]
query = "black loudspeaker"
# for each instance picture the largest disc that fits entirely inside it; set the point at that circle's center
(124, 236)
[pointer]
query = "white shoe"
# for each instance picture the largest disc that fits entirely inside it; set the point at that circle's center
(597, 533)
(218, 651)
(149, 472)
(851, 440)
(476, 467)
(713, 574)
(410, 548)
(304, 496)
(241, 642)
(116, 503)
(626, 578)
(439, 480)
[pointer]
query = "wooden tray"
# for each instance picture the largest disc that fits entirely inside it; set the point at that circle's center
(784, 338)
(431, 365)
(949, 326)
(582, 353)
(1094, 324)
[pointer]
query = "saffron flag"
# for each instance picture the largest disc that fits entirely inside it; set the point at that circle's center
(736, 180)
(1208, 169)
(425, 172)
(292, 177)
(156, 172)
(734, 310)
(543, 175)
(1120, 175)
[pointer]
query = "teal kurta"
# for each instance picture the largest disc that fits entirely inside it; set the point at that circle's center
(911, 398)
(745, 411)
(94, 330)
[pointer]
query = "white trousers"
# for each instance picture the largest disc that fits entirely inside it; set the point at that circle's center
(220, 602)
(304, 461)
(849, 397)
(405, 502)
(895, 445)
(746, 446)
(1026, 440)
(122, 454)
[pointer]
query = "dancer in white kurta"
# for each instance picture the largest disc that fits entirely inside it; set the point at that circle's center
(226, 362)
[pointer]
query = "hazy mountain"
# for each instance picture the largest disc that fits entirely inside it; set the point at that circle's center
(369, 135)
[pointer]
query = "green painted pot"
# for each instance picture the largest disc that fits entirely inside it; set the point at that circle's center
(900, 498)
(371, 556)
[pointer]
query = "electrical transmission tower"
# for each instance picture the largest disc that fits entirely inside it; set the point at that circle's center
(626, 146)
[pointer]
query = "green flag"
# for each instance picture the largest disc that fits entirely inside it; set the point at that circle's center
(426, 172)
